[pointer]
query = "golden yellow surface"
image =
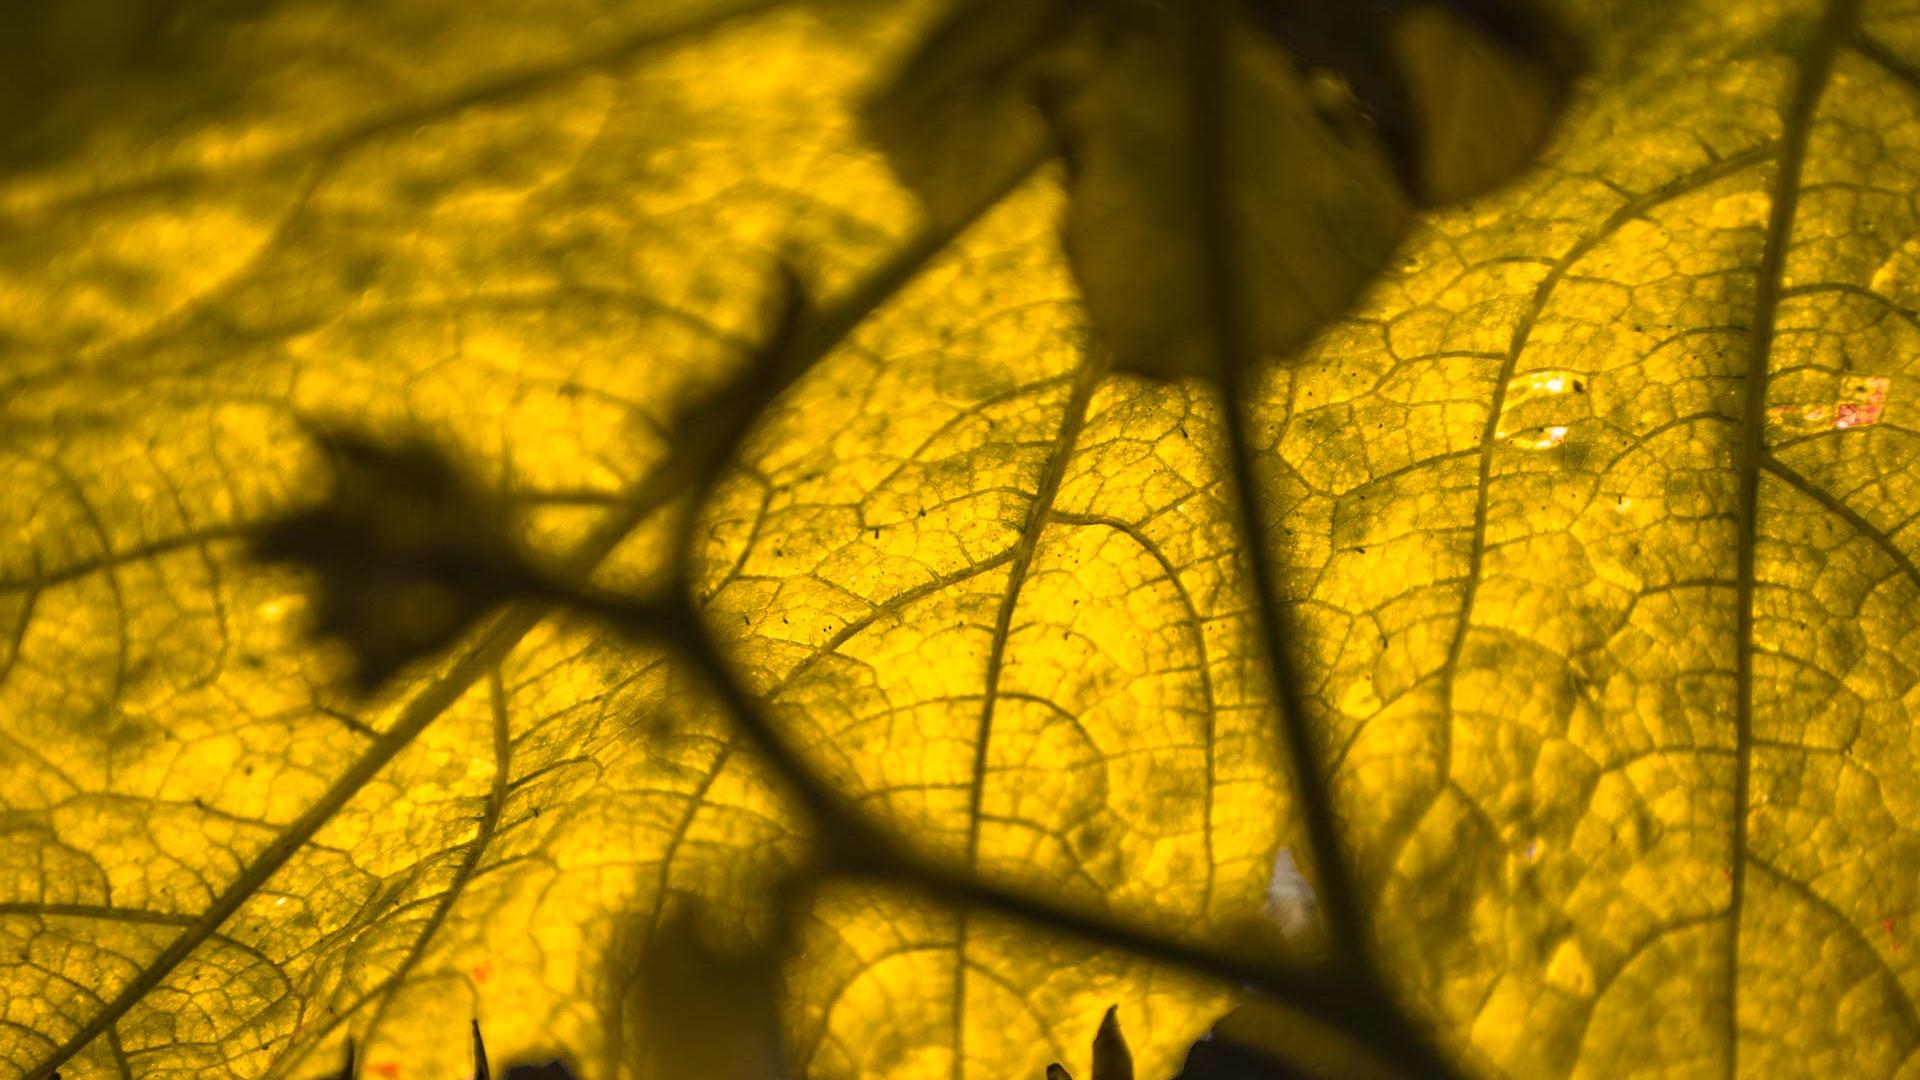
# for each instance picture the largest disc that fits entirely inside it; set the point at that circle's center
(1509, 483)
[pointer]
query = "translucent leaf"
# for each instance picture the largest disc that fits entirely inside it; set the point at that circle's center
(1611, 664)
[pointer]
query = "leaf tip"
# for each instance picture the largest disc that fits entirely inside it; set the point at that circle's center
(480, 1069)
(1111, 1058)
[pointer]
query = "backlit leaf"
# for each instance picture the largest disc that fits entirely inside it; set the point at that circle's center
(1613, 664)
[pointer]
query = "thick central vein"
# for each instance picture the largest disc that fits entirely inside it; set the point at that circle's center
(1815, 66)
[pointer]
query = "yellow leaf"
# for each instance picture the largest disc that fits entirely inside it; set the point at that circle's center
(1606, 617)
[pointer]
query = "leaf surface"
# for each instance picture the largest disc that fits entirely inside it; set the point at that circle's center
(1615, 669)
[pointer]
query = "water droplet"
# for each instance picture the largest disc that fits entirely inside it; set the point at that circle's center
(1544, 383)
(1531, 391)
(1540, 438)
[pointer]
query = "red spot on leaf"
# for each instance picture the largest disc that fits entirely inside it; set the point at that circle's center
(1870, 397)
(1860, 404)
(481, 972)
(1887, 924)
(388, 1069)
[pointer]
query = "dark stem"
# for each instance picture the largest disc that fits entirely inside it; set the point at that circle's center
(853, 847)
(1237, 364)
(1210, 96)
